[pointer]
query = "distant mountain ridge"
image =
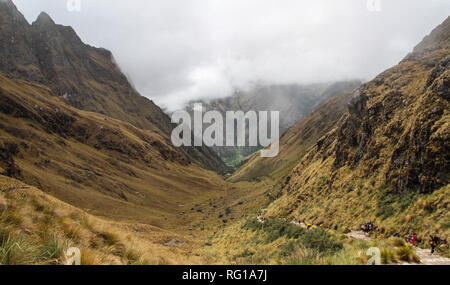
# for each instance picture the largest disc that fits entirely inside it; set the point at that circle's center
(295, 142)
(291, 101)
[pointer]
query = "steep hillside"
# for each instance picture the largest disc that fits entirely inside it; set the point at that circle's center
(292, 101)
(295, 142)
(92, 161)
(36, 228)
(388, 158)
(81, 75)
(131, 198)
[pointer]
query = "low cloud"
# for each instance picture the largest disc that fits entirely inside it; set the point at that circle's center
(179, 50)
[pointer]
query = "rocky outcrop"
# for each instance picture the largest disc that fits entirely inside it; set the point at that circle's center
(413, 124)
(17, 57)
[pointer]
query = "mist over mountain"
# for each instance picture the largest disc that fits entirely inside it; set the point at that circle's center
(296, 141)
(177, 51)
(387, 154)
(291, 101)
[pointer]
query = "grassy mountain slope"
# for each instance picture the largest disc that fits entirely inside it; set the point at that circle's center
(36, 228)
(133, 198)
(388, 159)
(92, 161)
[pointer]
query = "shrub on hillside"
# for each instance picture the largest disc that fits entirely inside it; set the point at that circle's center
(313, 239)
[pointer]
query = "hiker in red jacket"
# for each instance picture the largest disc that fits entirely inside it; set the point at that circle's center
(414, 239)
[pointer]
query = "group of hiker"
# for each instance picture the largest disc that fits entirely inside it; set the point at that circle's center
(411, 238)
(310, 226)
(433, 240)
(368, 227)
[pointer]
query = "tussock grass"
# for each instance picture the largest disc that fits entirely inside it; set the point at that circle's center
(315, 239)
(38, 229)
(87, 222)
(162, 261)
(406, 253)
(395, 250)
(111, 238)
(53, 249)
(388, 256)
(16, 250)
(302, 256)
(133, 256)
(72, 232)
(277, 242)
(90, 257)
(397, 242)
(274, 242)
(11, 218)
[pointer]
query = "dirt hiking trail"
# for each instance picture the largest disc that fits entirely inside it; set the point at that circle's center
(428, 259)
(424, 254)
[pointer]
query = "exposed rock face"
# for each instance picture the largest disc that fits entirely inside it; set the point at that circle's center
(84, 76)
(16, 54)
(88, 77)
(394, 141)
(403, 113)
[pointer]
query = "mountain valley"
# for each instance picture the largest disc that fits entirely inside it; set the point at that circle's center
(87, 162)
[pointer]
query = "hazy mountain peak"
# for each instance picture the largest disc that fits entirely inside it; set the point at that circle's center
(8, 3)
(44, 19)
(439, 38)
(10, 15)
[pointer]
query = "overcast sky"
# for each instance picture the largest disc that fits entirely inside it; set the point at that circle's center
(178, 50)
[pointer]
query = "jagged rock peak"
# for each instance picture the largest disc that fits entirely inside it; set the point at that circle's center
(44, 19)
(7, 2)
